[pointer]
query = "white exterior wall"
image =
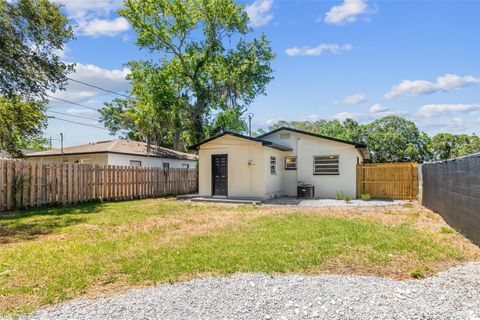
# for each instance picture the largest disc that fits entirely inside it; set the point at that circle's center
(244, 180)
(124, 160)
(94, 158)
(115, 159)
(305, 148)
(274, 184)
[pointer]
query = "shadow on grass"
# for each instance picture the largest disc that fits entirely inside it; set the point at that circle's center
(32, 223)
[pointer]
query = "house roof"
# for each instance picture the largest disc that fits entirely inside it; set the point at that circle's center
(263, 142)
(119, 146)
(357, 145)
(5, 155)
(362, 148)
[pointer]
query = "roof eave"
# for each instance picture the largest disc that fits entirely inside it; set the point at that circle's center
(197, 145)
(312, 135)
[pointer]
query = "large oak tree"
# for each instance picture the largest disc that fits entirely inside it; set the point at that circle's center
(204, 73)
(32, 34)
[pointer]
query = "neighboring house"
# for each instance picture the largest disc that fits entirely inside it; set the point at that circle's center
(118, 152)
(4, 155)
(275, 163)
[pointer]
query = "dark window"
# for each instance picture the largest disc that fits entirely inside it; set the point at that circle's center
(273, 165)
(290, 163)
(135, 163)
(326, 165)
(166, 165)
(185, 166)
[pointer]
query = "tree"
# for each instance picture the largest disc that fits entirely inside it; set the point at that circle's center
(349, 129)
(389, 139)
(473, 146)
(446, 145)
(395, 139)
(207, 69)
(33, 33)
(22, 124)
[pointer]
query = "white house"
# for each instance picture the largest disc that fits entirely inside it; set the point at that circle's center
(275, 163)
(118, 152)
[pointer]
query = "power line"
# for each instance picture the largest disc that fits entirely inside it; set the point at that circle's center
(100, 88)
(71, 102)
(79, 123)
(73, 115)
(84, 83)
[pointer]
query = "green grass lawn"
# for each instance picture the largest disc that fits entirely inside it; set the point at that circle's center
(50, 255)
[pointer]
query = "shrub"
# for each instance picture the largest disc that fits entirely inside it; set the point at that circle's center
(420, 272)
(339, 195)
(447, 230)
(365, 196)
(342, 196)
(417, 274)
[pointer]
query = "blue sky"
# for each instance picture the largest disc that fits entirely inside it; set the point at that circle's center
(335, 59)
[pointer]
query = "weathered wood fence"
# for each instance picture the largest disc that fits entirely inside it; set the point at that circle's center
(388, 180)
(26, 184)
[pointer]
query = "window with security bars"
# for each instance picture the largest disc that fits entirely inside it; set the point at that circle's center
(326, 165)
(273, 165)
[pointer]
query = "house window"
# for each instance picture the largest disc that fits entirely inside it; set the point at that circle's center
(166, 165)
(326, 165)
(290, 163)
(185, 166)
(135, 163)
(273, 165)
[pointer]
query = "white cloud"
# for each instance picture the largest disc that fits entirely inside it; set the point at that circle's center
(433, 110)
(342, 116)
(376, 111)
(271, 121)
(99, 27)
(92, 17)
(82, 8)
(113, 80)
(82, 112)
(421, 87)
(318, 50)
(62, 53)
(356, 98)
(347, 12)
(467, 123)
(260, 12)
(377, 108)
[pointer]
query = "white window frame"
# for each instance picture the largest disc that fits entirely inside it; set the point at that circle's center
(166, 165)
(139, 163)
(185, 165)
(325, 165)
(289, 166)
(273, 166)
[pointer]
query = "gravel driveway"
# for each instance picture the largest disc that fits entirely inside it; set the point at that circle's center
(454, 294)
(291, 201)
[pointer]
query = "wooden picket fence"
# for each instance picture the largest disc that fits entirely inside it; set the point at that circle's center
(388, 180)
(25, 184)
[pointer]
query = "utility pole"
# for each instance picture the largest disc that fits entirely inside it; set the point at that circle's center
(250, 116)
(61, 144)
